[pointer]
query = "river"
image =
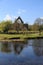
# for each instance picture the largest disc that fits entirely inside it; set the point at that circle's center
(22, 53)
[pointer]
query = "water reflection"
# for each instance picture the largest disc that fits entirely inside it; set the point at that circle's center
(22, 53)
(18, 48)
(15, 47)
(38, 47)
(5, 47)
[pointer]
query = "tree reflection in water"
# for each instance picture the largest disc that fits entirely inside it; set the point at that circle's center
(5, 47)
(16, 47)
(38, 47)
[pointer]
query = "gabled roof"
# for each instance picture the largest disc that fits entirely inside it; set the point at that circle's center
(19, 18)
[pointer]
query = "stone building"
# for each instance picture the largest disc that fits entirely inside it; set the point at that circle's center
(19, 25)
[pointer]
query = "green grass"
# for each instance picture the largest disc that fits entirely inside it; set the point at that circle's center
(22, 36)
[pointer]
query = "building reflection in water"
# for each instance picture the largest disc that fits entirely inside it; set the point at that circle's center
(38, 47)
(18, 48)
(15, 47)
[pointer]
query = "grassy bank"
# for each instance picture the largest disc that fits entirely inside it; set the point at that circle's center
(21, 36)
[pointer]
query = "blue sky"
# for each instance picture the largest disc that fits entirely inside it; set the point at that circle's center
(29, 10)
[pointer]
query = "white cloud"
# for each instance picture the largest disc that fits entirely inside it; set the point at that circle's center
(20, 11)
(15, 17)
(23, 11)
(41, 17)
(7, 17)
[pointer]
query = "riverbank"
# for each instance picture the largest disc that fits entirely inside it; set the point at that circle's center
(14, 40)
(20, 36)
